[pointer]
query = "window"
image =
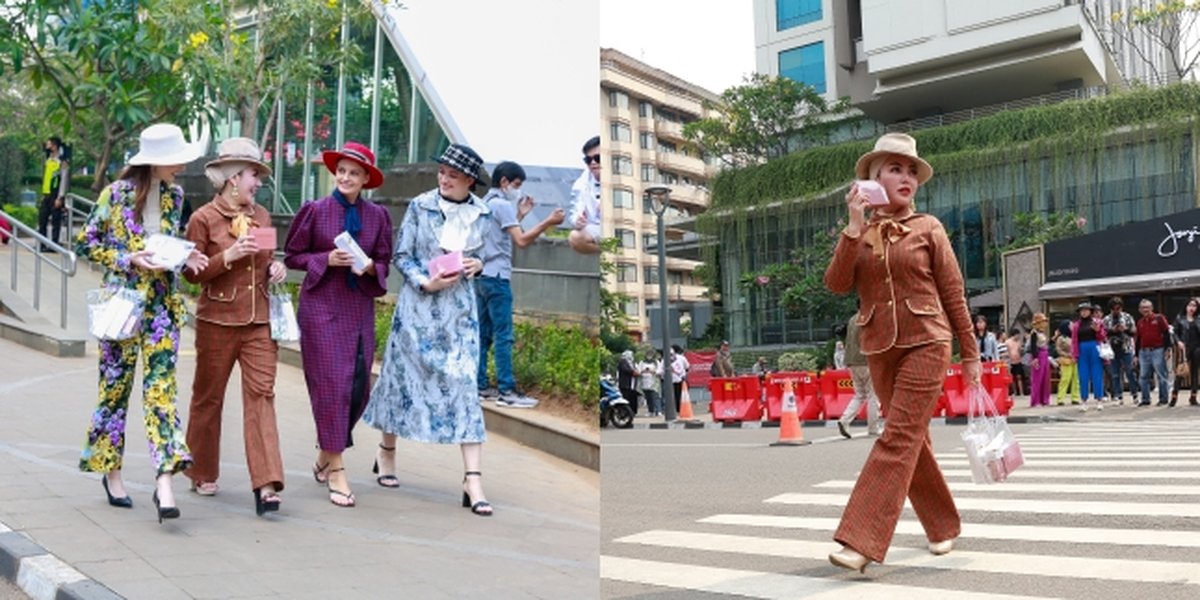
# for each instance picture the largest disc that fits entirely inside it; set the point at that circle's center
(651, 275)
(649, 240)
(675, 277)
(622, 165)
(631, 308)
(668, 178)
(620, 132)
(667, 147)
(645, 109)
(626, 239)
(618, 99)
(627, 272)
(647, 205)
(648, 172)
(622, 198)
(647, 140)
(794, 13)
(805, 64)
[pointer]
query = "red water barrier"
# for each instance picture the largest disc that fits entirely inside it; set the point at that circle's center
(806, 386)
(837, 388)
(955, 391)
(735, 399)
(996, 380)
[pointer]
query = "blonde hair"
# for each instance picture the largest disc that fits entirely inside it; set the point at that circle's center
(876, 165)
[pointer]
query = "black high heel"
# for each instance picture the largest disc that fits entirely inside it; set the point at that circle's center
(477, 507)
(165, 512)
(387, 481)
(122, 502)
(261, 505)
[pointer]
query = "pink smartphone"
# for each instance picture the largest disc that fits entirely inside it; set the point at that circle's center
(876, 196)
(265, 237)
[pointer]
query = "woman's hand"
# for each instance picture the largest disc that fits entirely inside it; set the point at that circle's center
(472, 266)
(243, 247)
(340, 258)
(277, 272)
(369, 268)
(856, 205)
(196, 261)
(141, 260)
(441, 282)
(973, 372)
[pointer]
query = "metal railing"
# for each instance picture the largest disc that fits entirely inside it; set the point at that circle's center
(77, 207)
(65, 265)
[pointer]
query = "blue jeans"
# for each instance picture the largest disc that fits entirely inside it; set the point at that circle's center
(1091, 371)
(1151, 361)
(1120, 369)
(493, 298)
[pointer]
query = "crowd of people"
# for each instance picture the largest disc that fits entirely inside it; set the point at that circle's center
(452, 252)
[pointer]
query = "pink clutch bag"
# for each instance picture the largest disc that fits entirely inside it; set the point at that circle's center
(265, 237)
(1008, 461)
(876, 196)
(446, 264)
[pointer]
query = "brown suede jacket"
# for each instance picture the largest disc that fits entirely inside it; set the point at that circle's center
(237, 293)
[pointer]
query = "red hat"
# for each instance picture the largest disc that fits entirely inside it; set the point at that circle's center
(358, 153)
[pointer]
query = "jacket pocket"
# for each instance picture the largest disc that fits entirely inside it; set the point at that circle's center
(220, 294)
(862, 319)
(924, 306)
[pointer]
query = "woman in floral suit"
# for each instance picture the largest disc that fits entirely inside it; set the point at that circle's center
(143, 201)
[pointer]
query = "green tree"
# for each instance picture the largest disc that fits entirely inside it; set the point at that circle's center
(761, 119)
(1031, 229)
(1171, 27)
(106, 69)
(800, 282)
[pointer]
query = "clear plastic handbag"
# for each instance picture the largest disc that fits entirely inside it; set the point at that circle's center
(284, 327)
(114, 313)
(992, 450)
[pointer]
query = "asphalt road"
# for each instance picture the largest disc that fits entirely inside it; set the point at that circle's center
(1106, 507)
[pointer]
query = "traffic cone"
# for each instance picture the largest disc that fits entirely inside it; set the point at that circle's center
(685, 404)
(790, 433)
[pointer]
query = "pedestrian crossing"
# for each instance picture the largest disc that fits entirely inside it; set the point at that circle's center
(1100, 510)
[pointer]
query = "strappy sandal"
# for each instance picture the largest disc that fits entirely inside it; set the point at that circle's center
(266, 503)
(205, 488)
(349, 496)
(482, 508)
(317, 470)
(387, 481)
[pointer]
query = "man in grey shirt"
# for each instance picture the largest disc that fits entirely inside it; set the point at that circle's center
(493, 293)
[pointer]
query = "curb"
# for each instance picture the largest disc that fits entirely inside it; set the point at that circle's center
(938, 421)
(42, 575)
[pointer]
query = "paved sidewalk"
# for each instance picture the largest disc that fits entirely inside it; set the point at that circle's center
(415, 542)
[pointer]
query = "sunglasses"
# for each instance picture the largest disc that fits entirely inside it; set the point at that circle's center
(594, 158)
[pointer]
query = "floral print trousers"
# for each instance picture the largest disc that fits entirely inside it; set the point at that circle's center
(106, 435)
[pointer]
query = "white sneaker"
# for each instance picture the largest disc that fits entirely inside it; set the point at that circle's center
(515, 399)
(1083, 407)
(1099, 406)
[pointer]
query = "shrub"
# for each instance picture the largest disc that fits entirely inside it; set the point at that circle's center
(557, 360)
(24, 214)
(798, 361)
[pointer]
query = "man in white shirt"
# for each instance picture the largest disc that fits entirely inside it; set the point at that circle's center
(585, 194)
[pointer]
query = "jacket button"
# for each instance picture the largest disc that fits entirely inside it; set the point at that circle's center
(249, 268)
(889, 302)
(221, 294)
(250, 287)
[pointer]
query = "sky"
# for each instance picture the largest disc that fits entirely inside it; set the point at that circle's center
(709, 43)
(519, 77)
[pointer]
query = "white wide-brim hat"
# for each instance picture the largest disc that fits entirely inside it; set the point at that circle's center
(164, 144)
(894, 143)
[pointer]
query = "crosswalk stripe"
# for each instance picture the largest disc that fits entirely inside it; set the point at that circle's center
(1091, 463)
(1157, 449)
(771, 586)
(1113, 435)
(1053, 488)
(1084, 457)
(988, 562)
(1025, 505)
(1109, 474)
(1029, 533)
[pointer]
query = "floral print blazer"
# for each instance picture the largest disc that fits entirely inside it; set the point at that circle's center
(112, 234)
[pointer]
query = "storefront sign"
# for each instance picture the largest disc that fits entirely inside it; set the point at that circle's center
(1163, 244)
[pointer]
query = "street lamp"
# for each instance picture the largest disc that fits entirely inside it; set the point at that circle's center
(660, 199)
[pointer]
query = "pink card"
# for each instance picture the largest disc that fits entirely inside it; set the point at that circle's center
(446, 263)
(265, 237)
(876, 196)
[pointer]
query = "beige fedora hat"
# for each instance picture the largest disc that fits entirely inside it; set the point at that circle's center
(894, 143)
(240, 150)
(164, 144)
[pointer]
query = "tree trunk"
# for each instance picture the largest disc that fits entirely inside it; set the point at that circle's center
(269, 125)
(102, 165)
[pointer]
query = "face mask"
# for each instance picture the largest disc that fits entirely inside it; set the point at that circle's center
(513, 194)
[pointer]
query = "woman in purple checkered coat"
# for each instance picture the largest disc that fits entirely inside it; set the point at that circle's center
(426, 390)
(337, 304)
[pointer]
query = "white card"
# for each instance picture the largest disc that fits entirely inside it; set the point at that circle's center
(344, 241)
(169, 251)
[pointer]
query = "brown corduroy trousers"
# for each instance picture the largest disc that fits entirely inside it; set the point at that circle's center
(908, 382)
(218, 347)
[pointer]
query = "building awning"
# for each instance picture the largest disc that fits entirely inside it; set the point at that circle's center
(989, 299)
(1105, 286)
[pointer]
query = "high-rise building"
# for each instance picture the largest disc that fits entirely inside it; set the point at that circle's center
(900, 60)
(643, 111)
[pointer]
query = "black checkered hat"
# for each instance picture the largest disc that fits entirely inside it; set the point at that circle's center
(463, 158)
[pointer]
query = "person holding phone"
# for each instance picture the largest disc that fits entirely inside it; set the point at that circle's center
(336, 314)
(426, 391)
(233, 323)
(912, 305)
(144, 200)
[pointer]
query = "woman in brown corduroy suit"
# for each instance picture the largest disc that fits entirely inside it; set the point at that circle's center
(233, 324)
(912, 304)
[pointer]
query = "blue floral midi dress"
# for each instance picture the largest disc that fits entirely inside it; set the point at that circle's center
(426, 389)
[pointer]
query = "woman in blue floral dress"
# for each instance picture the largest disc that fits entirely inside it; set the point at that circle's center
(143, 201)
(426, 389)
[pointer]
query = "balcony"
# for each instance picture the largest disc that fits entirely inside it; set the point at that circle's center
(694, 196)
(669, 130)
(676, 292)
(679, 163)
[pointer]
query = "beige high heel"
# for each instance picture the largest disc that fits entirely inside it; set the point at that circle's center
(942, 547)
(848, 558)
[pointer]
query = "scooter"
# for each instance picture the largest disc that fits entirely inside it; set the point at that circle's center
(614, 408)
